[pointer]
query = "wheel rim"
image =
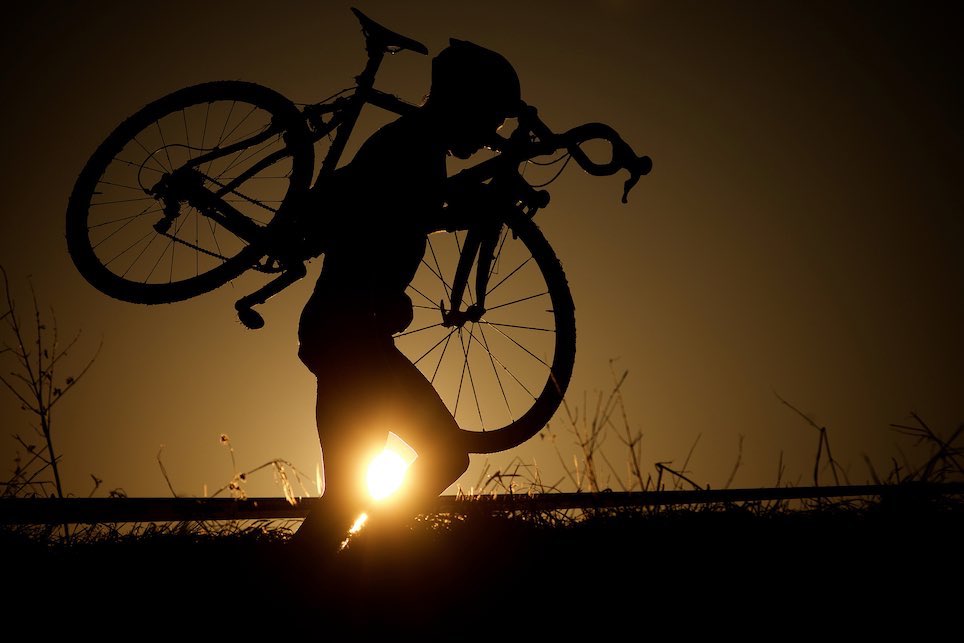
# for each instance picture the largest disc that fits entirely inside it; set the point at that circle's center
(512, 366)
(122, 243)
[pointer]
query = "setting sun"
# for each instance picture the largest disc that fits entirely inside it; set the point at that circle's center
(387, 471)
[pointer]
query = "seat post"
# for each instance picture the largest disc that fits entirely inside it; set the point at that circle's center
(365, 81)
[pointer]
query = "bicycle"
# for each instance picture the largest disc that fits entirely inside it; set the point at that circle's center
(211, 181)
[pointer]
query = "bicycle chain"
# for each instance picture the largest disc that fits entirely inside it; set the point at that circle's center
(258, 266)
(247, 198)
(191, 245)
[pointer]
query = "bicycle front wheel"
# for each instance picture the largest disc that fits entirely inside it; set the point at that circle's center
(503, 377)
(244, 143)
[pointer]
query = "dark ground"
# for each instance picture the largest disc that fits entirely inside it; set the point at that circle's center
(879, 569)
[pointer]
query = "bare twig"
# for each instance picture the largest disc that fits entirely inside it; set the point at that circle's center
(736, 465)
(167, 478)
(661, 466)
(687, 461)
(823, 444)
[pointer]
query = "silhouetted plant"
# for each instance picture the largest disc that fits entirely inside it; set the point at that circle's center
(945, 462)
(37, 354)
(283, 470)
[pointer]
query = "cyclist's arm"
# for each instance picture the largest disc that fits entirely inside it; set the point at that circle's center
(465, 210)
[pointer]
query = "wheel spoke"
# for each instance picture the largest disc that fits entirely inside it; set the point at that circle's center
(150, 157)
(151, 234)
(240, 123)
(197, 226)
(139, 166)
(238, 159)
(227, 120)
(498, 255)
(536, 357)
(436, 345)
(127, 218)
(187, 134)
(418, 330)
(167, 152)
(120, 185)
(432, 270)
(468, 283)
(438, 271)
(503, 280)
(511, 374)
(495, 371)
(170, 244)
(213, 227)
(233, 130)
(448, 338)
(545, 330)
(146, 210)
(458, 395)
(424, 296)
(468, 369)
(516, 301)
(204, 127)
(131, 200)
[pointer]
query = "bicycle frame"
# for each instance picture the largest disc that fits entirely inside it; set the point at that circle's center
(226, 191)
(339, 114)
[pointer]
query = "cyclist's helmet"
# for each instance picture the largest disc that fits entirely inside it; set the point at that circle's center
(470, 77)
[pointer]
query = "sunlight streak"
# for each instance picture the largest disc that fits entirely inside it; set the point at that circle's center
(358, 524)
(355, 528)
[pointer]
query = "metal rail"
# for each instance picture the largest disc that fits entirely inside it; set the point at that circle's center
(131, 510)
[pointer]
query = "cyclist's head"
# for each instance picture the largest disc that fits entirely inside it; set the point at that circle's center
(474, 89)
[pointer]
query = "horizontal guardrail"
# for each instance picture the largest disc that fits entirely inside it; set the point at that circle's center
(133, 510)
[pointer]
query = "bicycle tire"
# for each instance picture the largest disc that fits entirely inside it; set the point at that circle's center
(111, 193)
(521, 327)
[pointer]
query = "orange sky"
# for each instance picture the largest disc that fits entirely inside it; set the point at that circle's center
(801, 232)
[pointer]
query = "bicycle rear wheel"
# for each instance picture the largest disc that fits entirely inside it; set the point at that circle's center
(130, 239)
(503, 377)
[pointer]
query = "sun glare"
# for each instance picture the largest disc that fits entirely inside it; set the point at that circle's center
(385, 474)
(387, 471)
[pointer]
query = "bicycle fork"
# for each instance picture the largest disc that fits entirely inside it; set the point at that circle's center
(481, 242)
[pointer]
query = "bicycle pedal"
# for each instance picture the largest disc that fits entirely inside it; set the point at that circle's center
(250, 318)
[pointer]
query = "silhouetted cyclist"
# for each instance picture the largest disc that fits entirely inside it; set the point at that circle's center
(390, 197)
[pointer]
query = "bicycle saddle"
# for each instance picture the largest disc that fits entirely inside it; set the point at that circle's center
(386, 39)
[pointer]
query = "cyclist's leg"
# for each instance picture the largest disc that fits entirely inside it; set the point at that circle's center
(425, 423)
(363, 394)
(351, 430)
